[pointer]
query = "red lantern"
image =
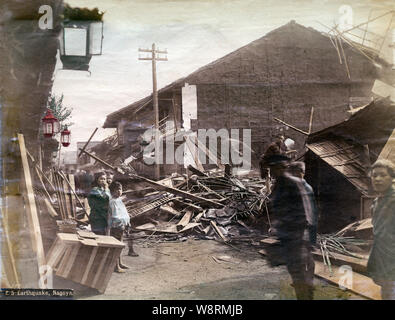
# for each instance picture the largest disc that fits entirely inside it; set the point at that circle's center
(50, 124)
(65, 137)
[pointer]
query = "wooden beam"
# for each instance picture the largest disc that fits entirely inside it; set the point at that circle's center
(311, 119)
(39, 169)
(291, 126)
(56, 179)
(184, 220)
(75, 194)
(193, 149)
(159, 186)
(89, 140)
(72, 195)
(211, 156)
(67, 199)
(360, 284)
(197, 171)
(31, 210)
(43, 185)
(218, 231)
(366, 22)
(8, 262)
(50, 208)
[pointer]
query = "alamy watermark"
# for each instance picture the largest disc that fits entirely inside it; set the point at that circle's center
(46, 20)
(233, 148)
(346, 280)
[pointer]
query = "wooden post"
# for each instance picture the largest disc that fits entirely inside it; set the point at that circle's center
(31, 210)
(8, 262)
(75, 194)
(72, 195)
(311, 119)
(193, 149)
(154, 58)
(40, 157)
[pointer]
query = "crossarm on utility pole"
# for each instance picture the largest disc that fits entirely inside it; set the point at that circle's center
(159, 186)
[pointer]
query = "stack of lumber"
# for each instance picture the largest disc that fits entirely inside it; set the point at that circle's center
(66, 195)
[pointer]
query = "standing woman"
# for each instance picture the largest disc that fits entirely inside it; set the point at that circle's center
(381, 264)
(98, 199)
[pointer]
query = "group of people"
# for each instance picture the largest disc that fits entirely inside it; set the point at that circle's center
(295, 217)
(108, 215)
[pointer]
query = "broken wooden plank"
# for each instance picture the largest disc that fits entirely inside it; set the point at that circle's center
(52, 212)
(150, 206)
(198, 217)
(197, 171)
(166, 228)
(40, 170)
(359, 283)
(67, 199)
(188, 205)
(360, 225)
(43, 185)
(8, 263)
(218, 231)
(292, 127)
(184, 220)
(59, 200)
(31, 211)
(166, 208)
(62, 195)
(358, 265)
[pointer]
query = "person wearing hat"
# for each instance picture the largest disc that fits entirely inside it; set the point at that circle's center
(291, 207)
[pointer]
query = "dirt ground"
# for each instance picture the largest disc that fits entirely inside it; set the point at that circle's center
(203, 270)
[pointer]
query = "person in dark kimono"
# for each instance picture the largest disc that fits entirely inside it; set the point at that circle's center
(294, 214)
(381, 264)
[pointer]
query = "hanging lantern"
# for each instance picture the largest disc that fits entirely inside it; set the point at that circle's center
(79, 41)
(50, 124)
(65, 137)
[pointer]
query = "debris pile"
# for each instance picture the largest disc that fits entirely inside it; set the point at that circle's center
(166, 216)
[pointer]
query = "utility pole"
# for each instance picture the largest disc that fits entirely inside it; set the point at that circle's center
(155, 57)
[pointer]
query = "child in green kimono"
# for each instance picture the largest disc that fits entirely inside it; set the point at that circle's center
(98, 200)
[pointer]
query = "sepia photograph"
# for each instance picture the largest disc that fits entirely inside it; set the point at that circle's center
(197, 154)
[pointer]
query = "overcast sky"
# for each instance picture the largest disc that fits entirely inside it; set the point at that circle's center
(195, 32)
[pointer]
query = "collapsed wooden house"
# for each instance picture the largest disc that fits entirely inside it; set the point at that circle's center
(26, 77)
(281, 75)
(338, 160)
